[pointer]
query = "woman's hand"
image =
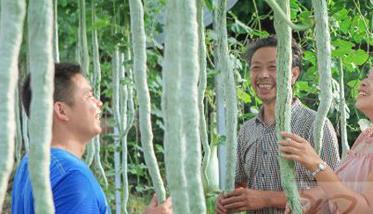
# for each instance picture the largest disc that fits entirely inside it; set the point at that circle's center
(298, 149)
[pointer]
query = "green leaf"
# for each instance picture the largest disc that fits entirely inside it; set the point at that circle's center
(243, 96)
(101, 23)
(310, 56)
(358, 57)
(343, 44)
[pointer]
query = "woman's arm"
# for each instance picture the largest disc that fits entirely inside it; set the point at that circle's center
(298, 149)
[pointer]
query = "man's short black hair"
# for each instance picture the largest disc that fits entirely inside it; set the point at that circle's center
(271, 41)
(63, 85)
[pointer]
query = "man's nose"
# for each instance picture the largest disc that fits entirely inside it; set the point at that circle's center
(264, 73)
(99, 103)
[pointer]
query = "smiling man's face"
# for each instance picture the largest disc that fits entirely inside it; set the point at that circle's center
(84, 114)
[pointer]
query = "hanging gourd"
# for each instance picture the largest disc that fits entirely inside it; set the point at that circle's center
(224, 66)
(189, 64)
(201, 93)
(18, 138)
(117, 130)
(40, 37)
(174, 146)
(139, 69)
(343, 111)
(11, 28)
(56, 51)
(283, 101)
(220, 105)
(324, 69)
(97, 91)
(84, 62)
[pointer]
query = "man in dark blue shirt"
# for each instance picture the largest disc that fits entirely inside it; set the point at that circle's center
(76, 120)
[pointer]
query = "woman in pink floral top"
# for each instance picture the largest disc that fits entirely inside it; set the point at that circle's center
(350, 188)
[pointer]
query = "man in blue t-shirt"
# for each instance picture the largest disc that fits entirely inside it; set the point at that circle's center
(76, 120)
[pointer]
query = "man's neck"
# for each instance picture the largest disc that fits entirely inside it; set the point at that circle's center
(69, 143)
(269, 113)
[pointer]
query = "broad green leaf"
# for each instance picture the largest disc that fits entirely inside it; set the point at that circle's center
(358, 57)
(243, 96)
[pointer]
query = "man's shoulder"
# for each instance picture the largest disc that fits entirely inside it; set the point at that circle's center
(305, 116)
(63, 163)
(304, 110)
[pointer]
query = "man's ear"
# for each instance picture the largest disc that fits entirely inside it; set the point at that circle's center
(295, 72)
(60, 111)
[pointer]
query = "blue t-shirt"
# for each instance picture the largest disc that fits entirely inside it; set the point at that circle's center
(75, 188)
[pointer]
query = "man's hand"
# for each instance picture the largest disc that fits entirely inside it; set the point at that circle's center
(241, 199)
(155, 208)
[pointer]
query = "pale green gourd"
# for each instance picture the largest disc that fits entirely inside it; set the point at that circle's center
(189, 105)
(97, 92)
(11, 25)
(40, 37)
(174, 146)
(342, 110)
(283, 102)
(224, 66)
(56, 51)
(139, 69)
(324, 69)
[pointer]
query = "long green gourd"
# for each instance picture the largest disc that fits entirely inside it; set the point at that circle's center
(84, 61)
(84, 55)
(139, 68)
(130, 115)
(117, 173)
(56, 51)
(342, 110)
(174, 146)
(189, 105)
(25, 131)
(220, 105)
(123, 98)
(283, 103)
(40, 28)
(11, 25)
(97, 92)
(224, 65)
(117, 128)
(18, 138)
(213, 167)
(201, 93)
(130, 103)
(324, 69)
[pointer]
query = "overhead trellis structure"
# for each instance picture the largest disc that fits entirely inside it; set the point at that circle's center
(11, 25)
